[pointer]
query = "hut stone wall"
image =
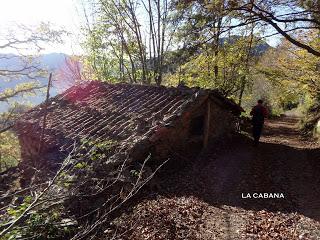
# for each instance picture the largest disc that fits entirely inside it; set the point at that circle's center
(142, 119)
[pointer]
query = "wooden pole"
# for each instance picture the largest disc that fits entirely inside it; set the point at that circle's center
(207, 125)
(44, 123)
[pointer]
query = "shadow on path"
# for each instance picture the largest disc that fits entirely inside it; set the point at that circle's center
(225, 176)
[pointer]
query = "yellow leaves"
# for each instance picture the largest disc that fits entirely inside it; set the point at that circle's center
(295, 68)
(9, 150)
(224, 69)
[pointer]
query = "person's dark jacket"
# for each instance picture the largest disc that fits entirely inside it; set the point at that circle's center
(258, 114)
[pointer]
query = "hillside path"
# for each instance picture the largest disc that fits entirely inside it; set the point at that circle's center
(208, 200)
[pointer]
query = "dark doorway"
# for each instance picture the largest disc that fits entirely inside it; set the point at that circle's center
(197, 126)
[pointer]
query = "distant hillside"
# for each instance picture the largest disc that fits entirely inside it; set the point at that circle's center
(50, 62)
(53, 60)
(258, 50)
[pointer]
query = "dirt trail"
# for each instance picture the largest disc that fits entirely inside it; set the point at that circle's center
(209, 200)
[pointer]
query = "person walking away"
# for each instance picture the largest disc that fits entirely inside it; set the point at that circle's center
(258, 113)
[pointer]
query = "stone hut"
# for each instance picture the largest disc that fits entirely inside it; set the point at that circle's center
(142, 119)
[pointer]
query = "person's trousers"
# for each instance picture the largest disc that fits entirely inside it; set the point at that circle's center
(256, 132)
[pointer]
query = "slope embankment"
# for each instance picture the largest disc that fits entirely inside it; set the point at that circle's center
(236, 191)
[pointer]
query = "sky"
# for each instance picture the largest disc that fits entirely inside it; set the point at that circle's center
(60, 13)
